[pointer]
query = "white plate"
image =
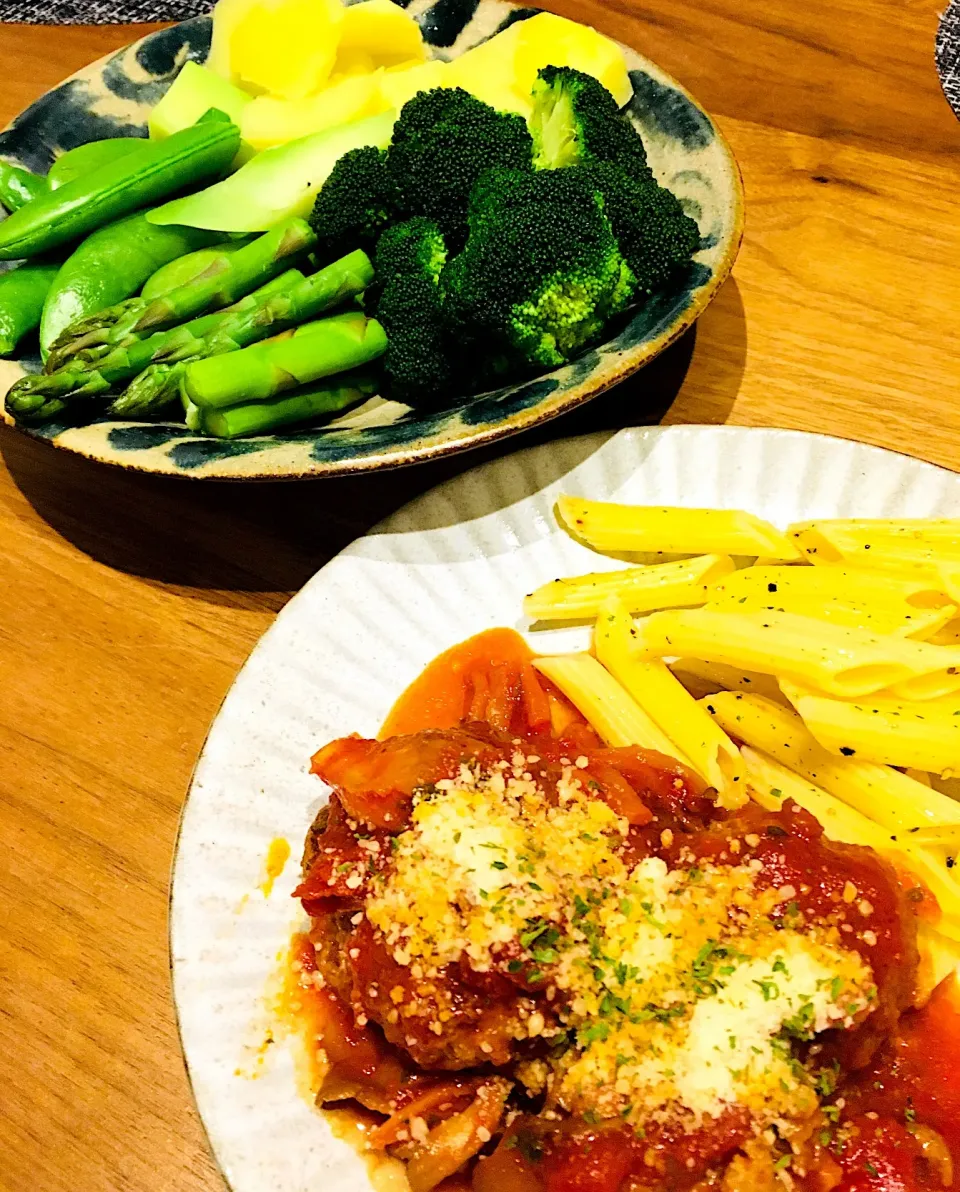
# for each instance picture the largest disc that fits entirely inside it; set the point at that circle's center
(454, 562)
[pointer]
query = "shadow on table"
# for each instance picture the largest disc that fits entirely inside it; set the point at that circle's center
(254, 544)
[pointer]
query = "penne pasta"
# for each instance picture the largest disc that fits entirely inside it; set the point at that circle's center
(883, 794)
(642, 589)
(935, 562)
(924, 735)
(660, 694)
(609, 709)
(838, 539)
(848, 596)
(772, 781)
(836, 659)
(673, 530)
(706, 677)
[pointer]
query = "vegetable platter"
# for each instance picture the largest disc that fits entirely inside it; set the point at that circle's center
(231, 258)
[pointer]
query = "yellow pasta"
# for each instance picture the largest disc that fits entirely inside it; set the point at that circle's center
(835, 539)
(662, 696)
(642, 589)
(933, 560)
(883, 794)
(772, 781)
(924, 735)
(835, 659)
(848, 596)
(706, 677)
(673, 530)
(608, 708)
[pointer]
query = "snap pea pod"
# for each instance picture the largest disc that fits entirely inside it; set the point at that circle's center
(142, 177)
(22, 293)
(110, 265)
(18, 186)
(75, 163)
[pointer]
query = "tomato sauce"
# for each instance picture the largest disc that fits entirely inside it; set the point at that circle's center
(890, 1126)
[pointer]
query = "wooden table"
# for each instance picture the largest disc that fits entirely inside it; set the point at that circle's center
(130, 602)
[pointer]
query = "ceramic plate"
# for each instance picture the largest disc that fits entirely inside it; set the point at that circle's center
(449, 565)
(687, 153)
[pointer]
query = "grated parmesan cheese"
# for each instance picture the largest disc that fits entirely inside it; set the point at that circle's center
(678, 995)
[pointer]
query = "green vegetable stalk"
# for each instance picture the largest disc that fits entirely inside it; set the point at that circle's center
(36, 399)
(22, 294)
(143, 176)
(226, 280)
(268, 369)
(302, 405)
(159, 384)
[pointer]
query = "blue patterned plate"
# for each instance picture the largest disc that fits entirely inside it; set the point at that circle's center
(686, 152)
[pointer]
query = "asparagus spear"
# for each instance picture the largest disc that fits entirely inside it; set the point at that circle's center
(229, 277)
(38, 398)
(268, 369)
(160, 383)
(302, 405)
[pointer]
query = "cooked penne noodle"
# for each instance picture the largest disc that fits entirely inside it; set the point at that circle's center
(772, 781)
(834, 539)
(707, 677)
(885, 795)
(924, 735)
(609, 709)
(662, 696)
(673, 530)
(848, 596)
(936, 563)
(642, 589)
(835, 659)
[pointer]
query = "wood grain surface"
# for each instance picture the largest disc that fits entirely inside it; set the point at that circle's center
(130, 602)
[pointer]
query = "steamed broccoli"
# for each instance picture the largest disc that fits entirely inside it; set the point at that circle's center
(654, 233)
(355, 204)
(442, 141)
(576, 121)
(541, 272)
(408, 264)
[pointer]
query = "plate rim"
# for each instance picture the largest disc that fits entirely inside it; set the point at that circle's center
(627, 362)
(600, 438)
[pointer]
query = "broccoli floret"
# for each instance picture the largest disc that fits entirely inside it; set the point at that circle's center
(541, 272)
(408, 264)
(442, 141)
(576, 121)
(654, 234)
(355, 204)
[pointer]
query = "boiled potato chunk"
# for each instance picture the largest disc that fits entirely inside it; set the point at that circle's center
(285, 48)
(383, 31)
(399, 85)
(267, 121)
(489, 72)
(549, 40)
